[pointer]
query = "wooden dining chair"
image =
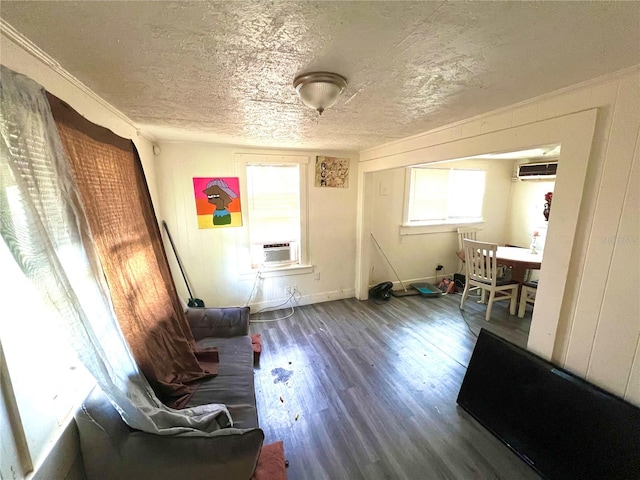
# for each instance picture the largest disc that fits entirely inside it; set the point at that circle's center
(465, 232)
(527, 295)
(482, 272)
(468, 233)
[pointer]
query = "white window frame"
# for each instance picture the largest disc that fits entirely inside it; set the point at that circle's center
(36, 419)
(34, 415)
(437, 226)
(302, 265)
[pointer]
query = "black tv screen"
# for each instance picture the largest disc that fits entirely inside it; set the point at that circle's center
(562, 426)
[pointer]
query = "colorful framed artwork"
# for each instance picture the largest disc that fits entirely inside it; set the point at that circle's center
(332, 172)
(217, 201)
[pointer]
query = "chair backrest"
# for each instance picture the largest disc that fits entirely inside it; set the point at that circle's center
(466, 232)
(480, 259)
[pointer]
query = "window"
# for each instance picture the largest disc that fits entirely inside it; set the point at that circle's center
(444, 196)
(276, 206)
(273, 192)
(47, 381)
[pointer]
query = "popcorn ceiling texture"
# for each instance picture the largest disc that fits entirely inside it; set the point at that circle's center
(223, 71)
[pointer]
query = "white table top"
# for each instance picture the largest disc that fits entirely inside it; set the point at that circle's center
(520, 255)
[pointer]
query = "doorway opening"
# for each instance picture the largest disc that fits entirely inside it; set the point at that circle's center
(435, 201)
(574, 132)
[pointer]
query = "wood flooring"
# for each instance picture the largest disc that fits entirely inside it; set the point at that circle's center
(358, 390)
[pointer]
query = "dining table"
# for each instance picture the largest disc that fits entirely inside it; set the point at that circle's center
(520, 260)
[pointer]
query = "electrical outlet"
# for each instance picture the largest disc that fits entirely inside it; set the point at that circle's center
(290, 289)
(439, 267)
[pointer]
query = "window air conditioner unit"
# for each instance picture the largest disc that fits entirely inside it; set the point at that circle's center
(537, 171)
(279, 253)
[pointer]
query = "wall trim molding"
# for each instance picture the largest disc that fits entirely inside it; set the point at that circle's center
(43, 57)
(575, 132)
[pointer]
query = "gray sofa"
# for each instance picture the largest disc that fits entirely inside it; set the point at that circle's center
(113, 450)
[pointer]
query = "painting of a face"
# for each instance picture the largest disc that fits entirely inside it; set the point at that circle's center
(218, 197)
(217, 201)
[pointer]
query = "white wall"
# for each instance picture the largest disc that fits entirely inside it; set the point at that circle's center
(59, 456)
(214, 259)
(596, 333)
(526, 205)
(415, 256)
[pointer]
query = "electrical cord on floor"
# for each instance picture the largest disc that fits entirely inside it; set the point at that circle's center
(271, 309)
(459, 284)
(267, 320)
(467, 323)
(255, 284)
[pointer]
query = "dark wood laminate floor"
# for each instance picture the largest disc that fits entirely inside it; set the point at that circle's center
(374, 390)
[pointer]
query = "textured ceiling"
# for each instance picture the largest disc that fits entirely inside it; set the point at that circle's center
(223, 71)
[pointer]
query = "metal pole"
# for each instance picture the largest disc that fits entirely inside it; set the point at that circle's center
(385, 257)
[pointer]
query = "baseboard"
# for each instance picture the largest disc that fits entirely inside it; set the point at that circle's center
(327, 296)
(300, 300)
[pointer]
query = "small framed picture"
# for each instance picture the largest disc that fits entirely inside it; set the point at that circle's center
(332, 172)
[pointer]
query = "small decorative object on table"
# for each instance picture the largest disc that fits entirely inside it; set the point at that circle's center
(547, 205)
(534, 242)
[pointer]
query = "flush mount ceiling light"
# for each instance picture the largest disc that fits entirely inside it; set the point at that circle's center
(319, 90)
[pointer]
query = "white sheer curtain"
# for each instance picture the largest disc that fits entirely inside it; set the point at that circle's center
(43, 225)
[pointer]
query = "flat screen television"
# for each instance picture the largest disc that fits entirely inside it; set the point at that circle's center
(563, 426)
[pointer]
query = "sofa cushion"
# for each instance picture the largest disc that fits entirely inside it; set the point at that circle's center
(113, 451)
(234, 385)
(218, 322)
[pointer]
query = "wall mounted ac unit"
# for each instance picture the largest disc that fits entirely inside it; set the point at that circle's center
(537, 171)
(279, 253)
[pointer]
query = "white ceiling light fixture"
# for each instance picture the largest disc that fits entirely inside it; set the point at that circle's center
(319, 90)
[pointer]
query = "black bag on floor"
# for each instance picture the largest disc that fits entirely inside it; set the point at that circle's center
(381, 292)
